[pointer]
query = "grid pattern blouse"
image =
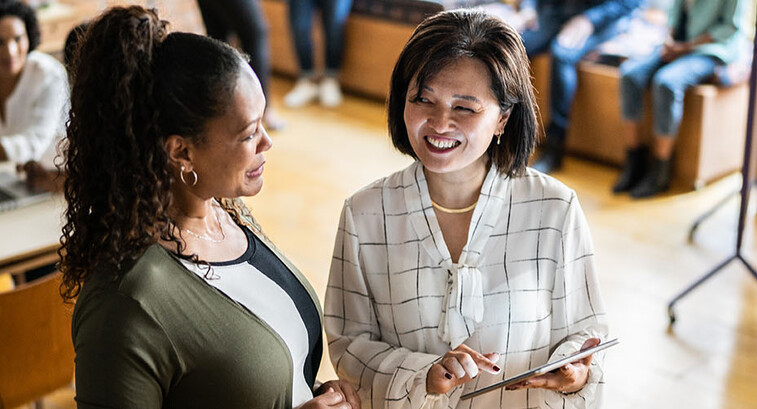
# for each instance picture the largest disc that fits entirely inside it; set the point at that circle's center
(393, 302)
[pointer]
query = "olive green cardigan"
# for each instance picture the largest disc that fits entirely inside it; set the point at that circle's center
(160, 337)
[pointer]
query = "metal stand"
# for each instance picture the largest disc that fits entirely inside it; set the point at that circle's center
(745, 190)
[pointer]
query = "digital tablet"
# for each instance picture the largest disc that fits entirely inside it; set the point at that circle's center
(541, 370)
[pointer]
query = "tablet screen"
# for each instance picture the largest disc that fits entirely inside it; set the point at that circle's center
(540, 370)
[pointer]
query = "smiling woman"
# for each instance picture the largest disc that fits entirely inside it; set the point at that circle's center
(466, 267)
(182, 300)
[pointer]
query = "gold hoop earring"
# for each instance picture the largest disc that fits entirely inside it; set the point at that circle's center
(181, 176)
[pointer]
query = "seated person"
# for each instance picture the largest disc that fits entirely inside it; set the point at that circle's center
(704, 36)
(568, 30)
(33, 88)
(45, 175)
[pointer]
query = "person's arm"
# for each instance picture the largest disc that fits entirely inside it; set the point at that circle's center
(39, 178)
(384, 375)
(730, 21)
(578, 311)
(45, 121)
(610, 11)
(123, 357)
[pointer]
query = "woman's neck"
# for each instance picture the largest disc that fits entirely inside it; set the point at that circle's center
(456, 189)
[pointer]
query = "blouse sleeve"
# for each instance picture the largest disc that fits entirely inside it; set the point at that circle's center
(47, 116)
(385, 376)
(124, 359)
(578, 309)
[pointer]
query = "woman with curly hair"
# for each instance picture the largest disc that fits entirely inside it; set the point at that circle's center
(182, 300)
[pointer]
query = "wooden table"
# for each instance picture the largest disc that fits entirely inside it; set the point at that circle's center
(29, 236)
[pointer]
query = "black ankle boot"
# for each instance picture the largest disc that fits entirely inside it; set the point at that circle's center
(633, 170)
(552, 151)
(550, 159)
(656, 180)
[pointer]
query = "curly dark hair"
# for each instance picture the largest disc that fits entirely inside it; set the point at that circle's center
(136, 85)
(27, 15)
(450, 35)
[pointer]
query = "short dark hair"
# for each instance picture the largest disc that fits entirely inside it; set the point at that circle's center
(450, 35)
(27, 15)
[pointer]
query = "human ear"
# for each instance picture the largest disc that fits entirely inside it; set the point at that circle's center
(178, 149)
(503, 118)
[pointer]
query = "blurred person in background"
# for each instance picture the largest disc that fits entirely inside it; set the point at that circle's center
(568, 30)
(705, 35)
(33, 90)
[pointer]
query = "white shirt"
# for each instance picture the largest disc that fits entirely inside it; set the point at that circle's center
(35, 111)
(393, 303)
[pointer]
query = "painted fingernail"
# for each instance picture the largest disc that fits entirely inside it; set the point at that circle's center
(496, 368)
(448, 375)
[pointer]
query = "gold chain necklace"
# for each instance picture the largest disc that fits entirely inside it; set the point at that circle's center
(453, 211)
(208, 238)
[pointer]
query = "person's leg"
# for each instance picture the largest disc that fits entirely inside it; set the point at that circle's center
(565, 75)
(635, 76)
(305, 90)
(245, 18)
(214, 27)
(301, 23)
(562, 90)
(538, 41)
(334, 16)
(669, 87)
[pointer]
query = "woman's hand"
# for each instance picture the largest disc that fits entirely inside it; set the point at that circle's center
(569, 378)
(345, 389)
(672, 50)
(40, 179)
(458, 367)
(328, 399)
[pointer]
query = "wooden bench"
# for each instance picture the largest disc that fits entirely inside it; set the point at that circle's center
(710, 141)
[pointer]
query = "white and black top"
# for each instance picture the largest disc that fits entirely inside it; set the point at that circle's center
(259, 281)
(525, 286)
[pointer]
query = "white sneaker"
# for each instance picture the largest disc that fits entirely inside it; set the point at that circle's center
(330, 93)
(304, 92)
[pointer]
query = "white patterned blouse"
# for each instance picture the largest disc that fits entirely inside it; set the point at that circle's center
(525, 286)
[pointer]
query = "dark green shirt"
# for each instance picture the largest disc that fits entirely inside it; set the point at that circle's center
(160, 337)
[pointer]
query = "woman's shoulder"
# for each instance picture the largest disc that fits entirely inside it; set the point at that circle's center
(45, 65)
(149, 279)
(386, 187)
(534, 185)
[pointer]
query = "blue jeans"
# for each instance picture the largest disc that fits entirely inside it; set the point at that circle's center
(564, 60)
(334, 16)
(244, 18)
(669, 83)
